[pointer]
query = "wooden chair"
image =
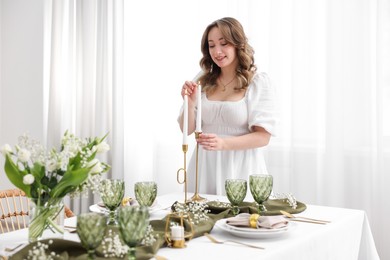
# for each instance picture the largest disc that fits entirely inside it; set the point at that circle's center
(14, 207)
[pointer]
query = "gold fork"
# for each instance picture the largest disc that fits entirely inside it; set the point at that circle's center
(296, 218)
(212, 239)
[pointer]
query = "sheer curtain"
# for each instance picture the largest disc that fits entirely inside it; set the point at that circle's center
(83, 76)
(328, 59)
(329, 62)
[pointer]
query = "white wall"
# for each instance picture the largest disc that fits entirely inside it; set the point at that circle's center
(21, 73)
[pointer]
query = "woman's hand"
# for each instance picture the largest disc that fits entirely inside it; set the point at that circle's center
(258, 138)
(189, 88)
(210, 142)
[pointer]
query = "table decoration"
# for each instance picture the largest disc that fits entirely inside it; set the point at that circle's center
(252, 222)
(273, 207)
(259, 233)
(48, 176)
(288, 197)
(145, 192)
(214, 240)
(261, 187)
(183, 170)
(91, 228)
(198, 131)
(176, 232)
(73, 250)
(303, 219)
(235, 191)
(133, 222)
(112, 193)
(196, 196)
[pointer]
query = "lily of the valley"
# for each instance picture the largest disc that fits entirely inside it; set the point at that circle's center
(24, 155)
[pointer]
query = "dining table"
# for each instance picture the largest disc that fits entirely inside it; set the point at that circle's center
(347, 236)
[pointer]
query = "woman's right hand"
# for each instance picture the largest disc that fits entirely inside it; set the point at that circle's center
(189, 88)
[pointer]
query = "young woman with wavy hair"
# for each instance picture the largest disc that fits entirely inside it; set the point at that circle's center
(238, 109)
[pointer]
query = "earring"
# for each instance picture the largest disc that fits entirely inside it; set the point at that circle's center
(211, 68)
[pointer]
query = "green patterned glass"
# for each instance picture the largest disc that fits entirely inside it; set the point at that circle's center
(91, 228)
(133, 222)
(261, 187)
(236, 192)
(112, 193)
(145, 192)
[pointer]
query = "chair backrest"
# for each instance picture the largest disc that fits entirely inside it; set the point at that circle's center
(14, 206)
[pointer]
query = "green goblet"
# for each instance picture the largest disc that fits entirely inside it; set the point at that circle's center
(145, 192)
(91, 228)
(112, 193)
(261, 187)
(133, 222)
(235, 191)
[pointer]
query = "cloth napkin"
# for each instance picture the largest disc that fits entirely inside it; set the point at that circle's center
(245, 219)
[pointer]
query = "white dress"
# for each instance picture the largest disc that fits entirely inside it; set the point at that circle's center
(233, 118)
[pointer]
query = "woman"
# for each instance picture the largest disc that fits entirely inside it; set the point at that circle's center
(238, 116)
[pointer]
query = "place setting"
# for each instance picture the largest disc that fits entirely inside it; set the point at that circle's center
(245, 222)
(113, 196)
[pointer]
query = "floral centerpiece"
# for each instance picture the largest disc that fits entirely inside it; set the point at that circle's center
(48, 176)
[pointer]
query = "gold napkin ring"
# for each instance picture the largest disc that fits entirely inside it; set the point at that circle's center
(253, 220)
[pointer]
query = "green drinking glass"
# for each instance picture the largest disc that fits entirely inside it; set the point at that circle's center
(112, 193)
(145, 192)
(236, 192)
(91, 228)
(261, 187)
(133, 222)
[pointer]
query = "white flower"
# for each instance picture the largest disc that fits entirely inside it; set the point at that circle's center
(28, 179)
(24, 155)
(51, 165)
(6, 149)
(97, 168)
(102, 147)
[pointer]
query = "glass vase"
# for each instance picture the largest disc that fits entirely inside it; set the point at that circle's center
(46, 221)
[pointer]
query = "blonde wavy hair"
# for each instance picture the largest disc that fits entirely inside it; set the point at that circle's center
(234, 34)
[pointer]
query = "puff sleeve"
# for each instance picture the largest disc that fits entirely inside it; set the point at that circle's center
(262, 104)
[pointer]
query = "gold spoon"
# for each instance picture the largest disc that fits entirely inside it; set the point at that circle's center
(212, 239)
(289, 215)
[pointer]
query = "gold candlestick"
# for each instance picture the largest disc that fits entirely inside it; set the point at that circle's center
(196, 196)
(184, 170)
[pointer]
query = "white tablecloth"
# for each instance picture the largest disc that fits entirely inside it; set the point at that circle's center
(347, 237)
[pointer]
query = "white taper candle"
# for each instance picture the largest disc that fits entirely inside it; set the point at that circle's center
(185, 120)
(199, 110)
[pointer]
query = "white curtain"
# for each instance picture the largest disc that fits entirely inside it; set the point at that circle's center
(83, 76)
(329, 61)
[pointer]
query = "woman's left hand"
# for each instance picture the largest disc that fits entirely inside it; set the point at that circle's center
(210, 142)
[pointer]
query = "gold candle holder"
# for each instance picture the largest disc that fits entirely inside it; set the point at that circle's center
(196, 196)
(178, 242)
(184, 170)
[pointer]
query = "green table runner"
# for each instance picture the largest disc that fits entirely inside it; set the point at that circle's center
(73, 250)
(273, 207)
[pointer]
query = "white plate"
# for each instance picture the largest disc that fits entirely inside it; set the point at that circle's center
(99, 209)
(251, 232)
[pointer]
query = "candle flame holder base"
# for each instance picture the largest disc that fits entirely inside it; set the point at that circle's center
(184, 170)
(196, 196)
